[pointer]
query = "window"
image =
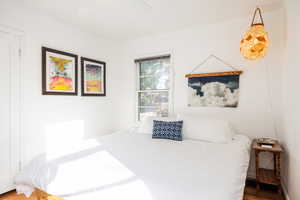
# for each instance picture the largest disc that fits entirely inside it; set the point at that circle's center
(153, 91)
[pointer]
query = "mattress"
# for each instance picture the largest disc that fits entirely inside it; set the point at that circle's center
(137, 167)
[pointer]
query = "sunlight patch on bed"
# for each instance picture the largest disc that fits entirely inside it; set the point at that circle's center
(65, 138)
(133, 190)
(88, 173)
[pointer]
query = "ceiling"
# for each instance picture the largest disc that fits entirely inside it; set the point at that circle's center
(130, 19)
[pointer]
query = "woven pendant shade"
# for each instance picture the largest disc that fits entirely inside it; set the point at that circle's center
(254, 44)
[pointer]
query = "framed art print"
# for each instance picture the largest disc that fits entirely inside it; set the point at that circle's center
(59, 72)
(93, 81)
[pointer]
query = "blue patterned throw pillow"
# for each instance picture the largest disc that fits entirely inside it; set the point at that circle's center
(167, 130)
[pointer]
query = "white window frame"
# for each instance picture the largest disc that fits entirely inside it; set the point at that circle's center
(171, 82)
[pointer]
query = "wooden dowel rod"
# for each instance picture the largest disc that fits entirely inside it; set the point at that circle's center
(214, 74)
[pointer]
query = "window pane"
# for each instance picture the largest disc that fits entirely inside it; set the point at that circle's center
(154, 74)
(153, 104)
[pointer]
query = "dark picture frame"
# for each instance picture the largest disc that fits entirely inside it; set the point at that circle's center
(101, 80)
(45, 72)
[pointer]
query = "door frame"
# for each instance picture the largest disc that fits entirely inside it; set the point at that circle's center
(16, 99)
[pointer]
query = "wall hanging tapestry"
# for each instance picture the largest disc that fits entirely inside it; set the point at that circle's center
(93, 81)
(59, 72)
(218, 89)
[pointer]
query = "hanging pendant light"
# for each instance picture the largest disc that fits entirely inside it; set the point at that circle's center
(254, 44)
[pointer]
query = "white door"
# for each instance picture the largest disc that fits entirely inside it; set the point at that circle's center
(9, 109)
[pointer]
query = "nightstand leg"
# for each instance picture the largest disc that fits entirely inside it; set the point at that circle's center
(279, 190)
(257, 170)
(275, 163)
(278, 162)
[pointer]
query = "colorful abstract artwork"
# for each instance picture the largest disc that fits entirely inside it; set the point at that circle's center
(92, 77)
(59, 72)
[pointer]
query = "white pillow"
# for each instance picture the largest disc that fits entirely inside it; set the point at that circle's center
(146, 126)
(210, 130)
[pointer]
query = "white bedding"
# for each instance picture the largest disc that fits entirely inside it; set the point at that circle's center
(137, 167)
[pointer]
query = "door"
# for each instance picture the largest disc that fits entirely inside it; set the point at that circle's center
(9, 109)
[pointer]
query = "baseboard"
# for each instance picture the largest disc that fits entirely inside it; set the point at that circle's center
(2, 194)
(7, 189)
(285, 192)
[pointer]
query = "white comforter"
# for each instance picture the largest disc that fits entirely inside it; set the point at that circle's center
(137, 167)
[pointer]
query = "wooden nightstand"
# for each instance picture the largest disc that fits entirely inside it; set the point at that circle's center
(268, 176)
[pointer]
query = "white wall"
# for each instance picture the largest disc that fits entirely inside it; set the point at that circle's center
(189, 47)
(50, 121)
(291, 97)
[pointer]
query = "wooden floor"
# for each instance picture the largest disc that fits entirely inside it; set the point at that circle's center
(14, 196)
(266, 193)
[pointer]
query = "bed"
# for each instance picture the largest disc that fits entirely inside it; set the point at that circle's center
(126, 165)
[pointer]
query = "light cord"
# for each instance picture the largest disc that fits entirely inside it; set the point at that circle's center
(269, 91)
